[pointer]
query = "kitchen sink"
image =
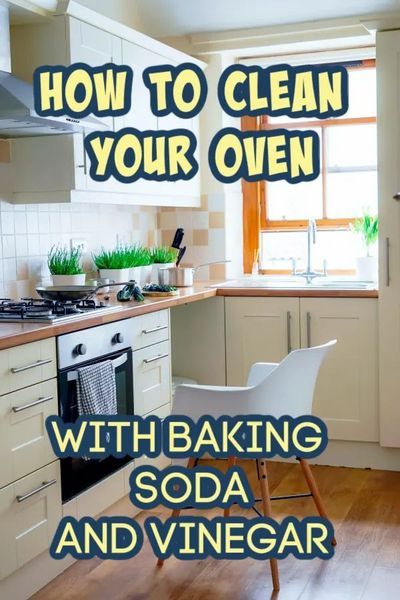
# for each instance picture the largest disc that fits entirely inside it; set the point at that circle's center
(297, 283)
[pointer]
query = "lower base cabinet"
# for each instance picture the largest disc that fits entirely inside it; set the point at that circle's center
(258, 330)
(346, 396)
(30, 511)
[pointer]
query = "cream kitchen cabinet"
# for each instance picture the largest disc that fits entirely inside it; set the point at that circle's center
(24, 444)
(186, 193)
(56, 168)
(58, 163)
(258, 330)
(346, 396)
(388, 84)
(27, 365)
(347, 389)
(151, 378)
(30, 511)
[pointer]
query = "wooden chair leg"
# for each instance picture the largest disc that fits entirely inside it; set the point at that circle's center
(313, 487)
(267, 510)
(231, 463)
(177, 511)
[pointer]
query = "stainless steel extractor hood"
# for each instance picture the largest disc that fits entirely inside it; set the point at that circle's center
(18, 117)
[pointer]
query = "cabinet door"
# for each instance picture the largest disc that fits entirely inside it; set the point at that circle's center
(26, 365)
(161, 461)
(258, 330)
(24, 444)
(30, 510)
(151, 378)
(346, 396)
(141, 117)
(388, 84)
(94, 47)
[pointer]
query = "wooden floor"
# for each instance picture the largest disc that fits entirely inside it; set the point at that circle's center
(363, 505)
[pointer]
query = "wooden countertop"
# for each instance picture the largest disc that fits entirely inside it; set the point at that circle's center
(296, 293)
(15, 334)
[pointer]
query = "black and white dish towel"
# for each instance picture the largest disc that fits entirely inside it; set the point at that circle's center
(96, 389)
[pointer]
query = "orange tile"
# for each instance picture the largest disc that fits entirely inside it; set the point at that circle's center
(167, 235)
(200, 237)
(217, 220)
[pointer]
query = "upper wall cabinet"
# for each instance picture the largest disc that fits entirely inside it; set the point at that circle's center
(56, 168)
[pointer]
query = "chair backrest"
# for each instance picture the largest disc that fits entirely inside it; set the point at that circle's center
(289, 388)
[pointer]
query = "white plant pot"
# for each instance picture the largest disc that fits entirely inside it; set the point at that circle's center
(141, 275)
(145, 274)
(156, 268)
(69, 279)
(115, 275)
(135, 273)
(367, 268)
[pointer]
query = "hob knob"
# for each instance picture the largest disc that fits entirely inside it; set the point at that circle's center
(118, 338)
(80, 349)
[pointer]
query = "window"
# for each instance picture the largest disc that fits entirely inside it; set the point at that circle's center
(347, 185)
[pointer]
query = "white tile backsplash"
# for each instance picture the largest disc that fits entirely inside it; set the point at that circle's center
(29, 231)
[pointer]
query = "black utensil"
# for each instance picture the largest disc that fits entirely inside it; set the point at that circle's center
(180, 255)
(178, 237)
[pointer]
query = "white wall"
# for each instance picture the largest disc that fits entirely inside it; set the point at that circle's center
(124, 11)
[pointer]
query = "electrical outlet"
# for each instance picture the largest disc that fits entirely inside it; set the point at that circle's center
(79, 243)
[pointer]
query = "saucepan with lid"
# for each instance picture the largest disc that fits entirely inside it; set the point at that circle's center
(183, 276)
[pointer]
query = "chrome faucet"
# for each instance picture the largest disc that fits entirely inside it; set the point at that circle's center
(309, 274)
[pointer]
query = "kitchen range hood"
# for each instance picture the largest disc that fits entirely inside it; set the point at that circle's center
(18, 117)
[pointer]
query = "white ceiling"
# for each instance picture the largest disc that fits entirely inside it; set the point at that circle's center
(161, 18)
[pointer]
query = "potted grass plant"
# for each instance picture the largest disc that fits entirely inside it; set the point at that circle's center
(113, 264)
(368, 228)
(65, 266)
(162, 257)
(140, 263)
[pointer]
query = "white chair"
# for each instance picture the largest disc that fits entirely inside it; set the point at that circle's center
(274, 389)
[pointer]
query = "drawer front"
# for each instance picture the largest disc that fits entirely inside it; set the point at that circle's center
(162, 461)
(24, 445)
(27, 364)
(162, 412)
(151, 378)
(150, 329)
(30, 511)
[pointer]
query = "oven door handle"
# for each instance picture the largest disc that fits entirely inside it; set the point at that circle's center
(73, 375)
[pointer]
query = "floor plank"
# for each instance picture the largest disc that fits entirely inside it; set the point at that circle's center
(363, 505)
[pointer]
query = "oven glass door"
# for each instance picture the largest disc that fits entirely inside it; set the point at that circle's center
(78, 474)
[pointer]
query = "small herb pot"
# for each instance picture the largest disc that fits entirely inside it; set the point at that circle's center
(367, 268)
(69, 279)
(141, 275)
(115, 275)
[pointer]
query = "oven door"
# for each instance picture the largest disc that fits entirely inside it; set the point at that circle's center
(78, 474)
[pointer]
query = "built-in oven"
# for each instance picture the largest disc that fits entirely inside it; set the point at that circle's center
(79, 349)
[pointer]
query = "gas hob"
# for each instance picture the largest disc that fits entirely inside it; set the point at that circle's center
(45, 311)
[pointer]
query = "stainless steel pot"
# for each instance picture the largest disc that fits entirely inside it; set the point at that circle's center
(182, 276)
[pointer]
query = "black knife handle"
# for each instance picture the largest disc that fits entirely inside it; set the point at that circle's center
(178, 237)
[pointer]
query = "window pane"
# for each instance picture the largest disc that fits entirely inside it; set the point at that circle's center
(362, 97)
(287, 201)
(351, 194)
(362, 93)
(351, 145)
